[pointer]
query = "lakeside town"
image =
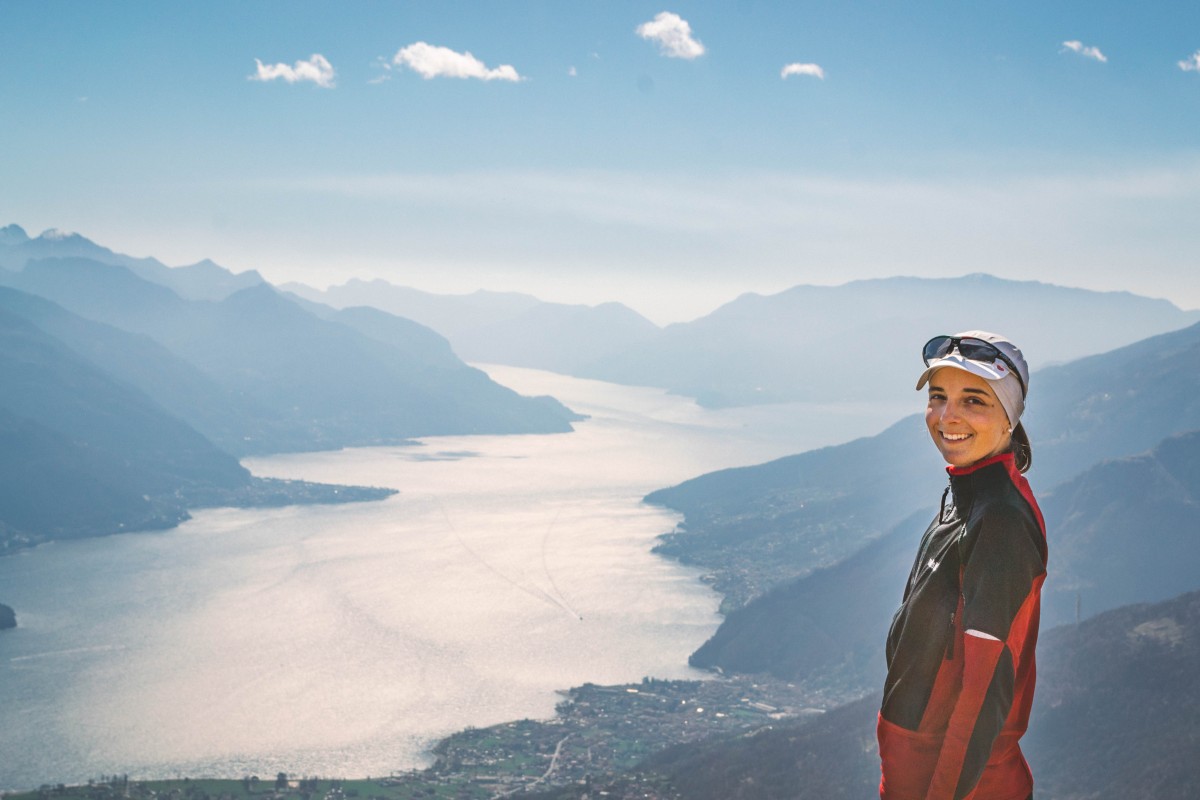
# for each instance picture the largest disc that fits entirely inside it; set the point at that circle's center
(597, 730)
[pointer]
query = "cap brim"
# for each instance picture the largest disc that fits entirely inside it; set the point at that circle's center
(991, 372)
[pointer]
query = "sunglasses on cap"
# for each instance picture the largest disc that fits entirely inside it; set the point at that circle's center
(969, 348)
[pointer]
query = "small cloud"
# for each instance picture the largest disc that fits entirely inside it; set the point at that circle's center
(673, 35)
(317, 69)
(1076, 46)
(1191, 64)
(803, 69)
(573, 72)
(385, 71)
(430, 61)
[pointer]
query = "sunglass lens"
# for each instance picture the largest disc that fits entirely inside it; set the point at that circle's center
(938, 347)
(978, 351)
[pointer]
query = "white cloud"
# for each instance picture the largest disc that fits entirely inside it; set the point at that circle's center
(317, 69)
(431, 61)
(1077, 46)
(1191, 64)
(673, 35)
(803, 69)
(573, 72)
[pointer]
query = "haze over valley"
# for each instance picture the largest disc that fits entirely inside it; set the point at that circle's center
(465, 401)
(518, 536)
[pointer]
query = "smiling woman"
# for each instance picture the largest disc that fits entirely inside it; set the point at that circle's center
(960, 651)
(965, 419)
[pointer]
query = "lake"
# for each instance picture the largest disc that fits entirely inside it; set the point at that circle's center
(343, 641)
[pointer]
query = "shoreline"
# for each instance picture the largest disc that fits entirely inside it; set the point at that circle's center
(259, 493)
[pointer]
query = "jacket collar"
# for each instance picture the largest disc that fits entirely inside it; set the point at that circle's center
(965, 482)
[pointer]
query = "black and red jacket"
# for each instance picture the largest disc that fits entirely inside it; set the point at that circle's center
(960, 652)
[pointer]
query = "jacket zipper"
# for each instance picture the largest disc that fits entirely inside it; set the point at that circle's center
(950, 638)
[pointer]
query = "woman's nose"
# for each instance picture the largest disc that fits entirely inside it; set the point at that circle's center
(949, 412)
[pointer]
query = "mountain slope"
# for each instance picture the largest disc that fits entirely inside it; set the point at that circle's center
(224, 417)
(1125, 531)
(762, 525)
(302, 382)
(504, 328)
(448, 314)
(817, 343)
(84, 454)
(202, 281)
(1114, 717)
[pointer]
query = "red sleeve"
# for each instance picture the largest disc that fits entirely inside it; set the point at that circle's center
(1002, 565)
(978, 716)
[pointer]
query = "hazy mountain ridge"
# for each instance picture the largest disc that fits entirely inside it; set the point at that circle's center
(114, 388)
(225, 417)
(757, 526)
(502, 327)
(818, 343)
(1125, 531)
(301, 382)
(204, 280)
(807, 343)
(448, 314)
(85, 454)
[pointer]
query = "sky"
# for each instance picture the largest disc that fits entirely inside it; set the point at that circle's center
(670, 156)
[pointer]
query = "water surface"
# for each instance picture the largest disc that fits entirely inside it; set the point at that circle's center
(344, 640)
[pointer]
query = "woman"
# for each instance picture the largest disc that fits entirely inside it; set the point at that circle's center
(960, 652)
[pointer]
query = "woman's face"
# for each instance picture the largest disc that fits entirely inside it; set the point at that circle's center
(965, 419)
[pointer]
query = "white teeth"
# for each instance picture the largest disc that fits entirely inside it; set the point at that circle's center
(956, 437)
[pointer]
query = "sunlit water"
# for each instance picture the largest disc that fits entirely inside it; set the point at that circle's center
(344, 640)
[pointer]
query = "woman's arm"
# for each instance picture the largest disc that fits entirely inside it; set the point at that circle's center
(1000, 584)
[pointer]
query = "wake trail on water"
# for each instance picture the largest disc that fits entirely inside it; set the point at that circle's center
(546, 568)
(535, 592)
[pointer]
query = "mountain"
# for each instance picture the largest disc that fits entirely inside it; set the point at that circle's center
(829, 343)
(8, 618)
(1114, 717)
(1122, 532)
(449, 314)
(225, 417)
(13, 235)
(303, 382)
(202, 281)
(828, 627)
(1126, 531)
(1117, 703)
(758, 526)
(415, 340)
(82, 454)
(503, 328)
(557, 337)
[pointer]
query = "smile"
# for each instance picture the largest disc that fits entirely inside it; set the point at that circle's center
(956, 437)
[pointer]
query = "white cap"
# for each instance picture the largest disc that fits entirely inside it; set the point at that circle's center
(1008, 385)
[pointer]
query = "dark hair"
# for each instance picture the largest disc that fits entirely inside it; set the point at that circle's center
(1021, 448)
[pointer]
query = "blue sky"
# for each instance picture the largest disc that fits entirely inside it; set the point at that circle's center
(583, 157)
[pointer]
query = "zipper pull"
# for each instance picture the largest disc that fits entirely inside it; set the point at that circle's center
(950, 639)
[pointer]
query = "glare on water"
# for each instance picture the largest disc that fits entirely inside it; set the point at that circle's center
(344, 640)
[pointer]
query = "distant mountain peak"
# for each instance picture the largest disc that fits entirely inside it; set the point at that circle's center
(59, 235)
(206, 263)
(212, 267)
(13, 234)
